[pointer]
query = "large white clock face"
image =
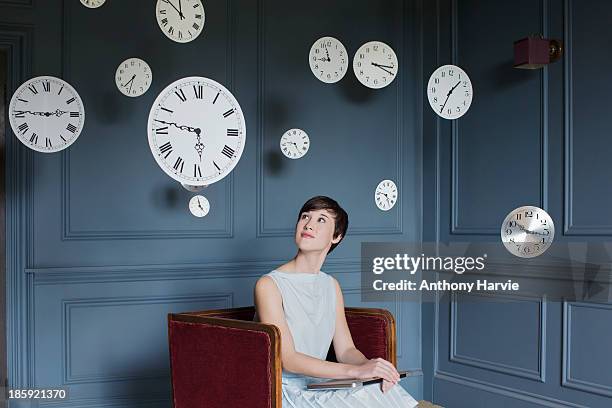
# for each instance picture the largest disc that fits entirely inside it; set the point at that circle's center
(375, 64)
(46, 114)
(294, 143)
(180, 20)
(133, 77)
(527, 231)
(385, 195)
(196, 131)
(328, 60)
(450, 92)
(92, 3)
(199, 206)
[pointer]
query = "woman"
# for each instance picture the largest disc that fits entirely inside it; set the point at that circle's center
(307, 306)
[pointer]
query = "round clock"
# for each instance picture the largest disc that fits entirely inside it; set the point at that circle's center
(375, 64)
(193, 189)
(133, 77)
(46, 114)
(180, 20)
(199, 206)
(527, 231)
(385, 195)
(294, 143)
(450, 92)
(328, 59)
(196, 131)
(92, 3)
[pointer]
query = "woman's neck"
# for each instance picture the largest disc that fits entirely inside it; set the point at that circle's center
(309, 262)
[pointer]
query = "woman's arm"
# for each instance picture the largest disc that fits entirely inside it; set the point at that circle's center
(268, 302)
(345, 349)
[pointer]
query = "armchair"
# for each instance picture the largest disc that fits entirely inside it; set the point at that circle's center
(222, 359)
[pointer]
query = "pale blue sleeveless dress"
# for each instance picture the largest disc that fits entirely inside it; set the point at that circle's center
(309, 302)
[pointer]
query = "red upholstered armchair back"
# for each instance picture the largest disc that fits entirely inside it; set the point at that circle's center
(221, 358)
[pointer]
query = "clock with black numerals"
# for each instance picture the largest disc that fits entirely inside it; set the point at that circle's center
(328, 60)
(295, 143)
(527, 231)
(385, 195)
(450, 92)
(196, 131)
(375, 64)
(180, 20)
(46, 114)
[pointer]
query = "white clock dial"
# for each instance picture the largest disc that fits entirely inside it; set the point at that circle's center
(180, 20)
(133, 77)
(294, 143)
(46, 114)
(527, 231)
(450, 92)
(92, 3)
(193, 189)
(328, 59)
(199, 206)
(385, 195)
(375, 64)
(196, 131)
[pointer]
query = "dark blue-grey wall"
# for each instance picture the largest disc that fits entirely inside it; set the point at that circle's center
(530, 138)
(100, 244)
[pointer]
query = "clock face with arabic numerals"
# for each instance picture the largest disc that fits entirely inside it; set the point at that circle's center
(328, 60)
(450, 92)
(527, 231)
(46, 114)
(196, 131)
(375, 64)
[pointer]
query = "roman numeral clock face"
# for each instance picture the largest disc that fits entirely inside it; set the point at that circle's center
(46, 114)
(180, 20)
(196, 131)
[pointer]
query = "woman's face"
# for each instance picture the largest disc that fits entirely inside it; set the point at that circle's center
(315, 231)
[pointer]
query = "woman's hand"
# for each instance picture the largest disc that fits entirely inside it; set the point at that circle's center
(386, 386)
(377, 367)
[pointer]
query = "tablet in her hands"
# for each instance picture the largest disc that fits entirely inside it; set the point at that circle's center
(356, 382)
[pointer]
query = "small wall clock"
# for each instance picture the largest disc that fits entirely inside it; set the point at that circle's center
(133, 77)
(46, 114)
(180, 20)
(295, 143)
(196, 131)
(527, 231)
(375, 64)
(328, 60)
(92, 3)
(450, 92)
(199, 206)
(385, 195)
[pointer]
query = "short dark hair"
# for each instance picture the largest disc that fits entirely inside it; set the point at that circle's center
(340, 216)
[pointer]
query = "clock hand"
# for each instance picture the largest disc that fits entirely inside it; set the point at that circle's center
(133, 76)
(174, 7)
(328, 59)
(382, 67)
(181, 11)
(197, 131)
(200, 205)
(448, 95)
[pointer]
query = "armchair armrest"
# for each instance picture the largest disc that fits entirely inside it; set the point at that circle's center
(217, 362)
(373, 332)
